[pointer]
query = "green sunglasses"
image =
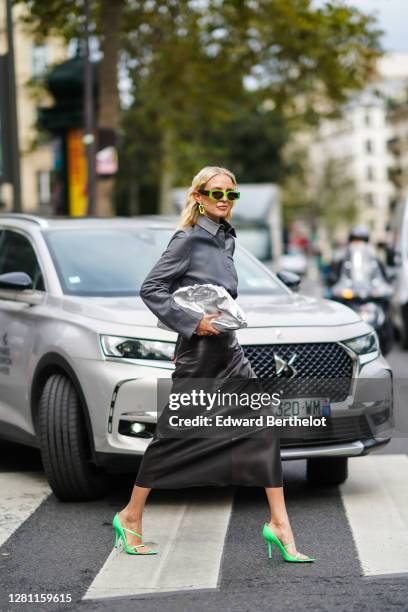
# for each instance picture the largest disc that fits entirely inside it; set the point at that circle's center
(218, 194)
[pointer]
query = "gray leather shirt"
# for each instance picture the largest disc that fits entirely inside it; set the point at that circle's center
(199, 254)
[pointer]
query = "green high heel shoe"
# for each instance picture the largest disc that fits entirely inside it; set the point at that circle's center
(271, 538)
(120, 533)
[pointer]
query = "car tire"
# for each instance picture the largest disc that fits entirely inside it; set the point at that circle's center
(327, 470)
(64, 443)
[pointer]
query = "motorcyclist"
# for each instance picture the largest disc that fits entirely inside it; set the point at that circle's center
(358, 235)
(359, 280)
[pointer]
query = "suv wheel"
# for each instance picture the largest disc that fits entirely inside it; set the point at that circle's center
(64, 443)
(327, 470)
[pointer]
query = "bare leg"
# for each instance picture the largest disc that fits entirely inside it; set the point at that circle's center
(132, 514)
(279, 522)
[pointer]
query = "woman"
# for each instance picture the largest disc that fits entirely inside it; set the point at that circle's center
(200, 252)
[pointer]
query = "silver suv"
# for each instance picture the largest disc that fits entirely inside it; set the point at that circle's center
(81, 354)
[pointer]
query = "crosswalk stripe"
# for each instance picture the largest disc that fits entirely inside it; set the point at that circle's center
(375, 499)
(190, 539)
(21, 494)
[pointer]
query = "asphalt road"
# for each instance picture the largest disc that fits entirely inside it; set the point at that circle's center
(213, 554)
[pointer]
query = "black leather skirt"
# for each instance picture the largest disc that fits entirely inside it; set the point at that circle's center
(178, 462)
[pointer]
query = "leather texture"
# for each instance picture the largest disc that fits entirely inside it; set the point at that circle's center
(173, 463)
(201, 254)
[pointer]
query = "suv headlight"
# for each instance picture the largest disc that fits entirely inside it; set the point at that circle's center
(137, 348)
(364, 344)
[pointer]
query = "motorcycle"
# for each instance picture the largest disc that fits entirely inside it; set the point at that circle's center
(362, 285)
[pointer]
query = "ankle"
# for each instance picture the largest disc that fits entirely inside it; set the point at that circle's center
(278, 523)
(129, 518)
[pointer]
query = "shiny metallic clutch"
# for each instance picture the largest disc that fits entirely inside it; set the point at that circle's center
(209, 299)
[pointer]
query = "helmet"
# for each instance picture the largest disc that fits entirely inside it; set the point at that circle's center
(359, 232)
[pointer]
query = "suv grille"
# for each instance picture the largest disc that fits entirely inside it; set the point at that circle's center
(326, 363)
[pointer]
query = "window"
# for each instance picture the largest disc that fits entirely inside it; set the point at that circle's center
(17, 255)
(370, 173)
(369, 146)
(369, 199)
(367, 119)
(392, 205)
(39, 60)
(98, 270)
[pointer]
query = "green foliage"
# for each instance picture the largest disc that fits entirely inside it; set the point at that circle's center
(62, 18)
(191, 69)
(327, 196)
(250, 142)
(225, 81)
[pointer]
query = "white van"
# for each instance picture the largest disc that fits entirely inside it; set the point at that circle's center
(399, 303)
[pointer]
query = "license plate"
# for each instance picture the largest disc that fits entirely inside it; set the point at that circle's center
(303, 407)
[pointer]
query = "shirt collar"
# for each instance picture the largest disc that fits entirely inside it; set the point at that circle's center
(213, 227)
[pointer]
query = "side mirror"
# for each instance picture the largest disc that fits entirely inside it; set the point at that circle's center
(290, 279)
(15, 280)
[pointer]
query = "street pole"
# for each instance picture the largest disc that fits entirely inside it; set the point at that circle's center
(89, 136)
(12, 113)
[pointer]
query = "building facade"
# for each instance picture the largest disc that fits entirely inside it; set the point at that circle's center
(398, 146)
(358, 143)
(32, 62)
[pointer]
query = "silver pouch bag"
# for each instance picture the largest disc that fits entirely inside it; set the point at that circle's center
(210, 299)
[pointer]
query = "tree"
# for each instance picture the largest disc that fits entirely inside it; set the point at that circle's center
(65, 18)
(178, 82)
(335, 197)
(252, 141)
(325, 199)
(199, 68)
(191, 76)
(109, 117)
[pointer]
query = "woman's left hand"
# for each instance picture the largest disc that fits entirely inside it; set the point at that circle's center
(204, 327)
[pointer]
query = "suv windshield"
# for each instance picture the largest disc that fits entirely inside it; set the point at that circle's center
(115, 261)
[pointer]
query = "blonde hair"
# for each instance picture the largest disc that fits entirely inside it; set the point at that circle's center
(190, 212)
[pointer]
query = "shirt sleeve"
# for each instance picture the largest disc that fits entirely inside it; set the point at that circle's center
(155, 289)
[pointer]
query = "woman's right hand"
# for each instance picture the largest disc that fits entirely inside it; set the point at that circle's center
(204, 327)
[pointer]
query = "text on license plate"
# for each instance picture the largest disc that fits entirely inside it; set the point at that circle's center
(302, 407)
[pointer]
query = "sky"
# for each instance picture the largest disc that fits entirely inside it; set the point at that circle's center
(393, 19)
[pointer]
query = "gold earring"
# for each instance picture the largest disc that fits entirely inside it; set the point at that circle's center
(201, 208)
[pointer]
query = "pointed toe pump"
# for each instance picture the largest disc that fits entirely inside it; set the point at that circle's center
(120, 534)
(271, 539)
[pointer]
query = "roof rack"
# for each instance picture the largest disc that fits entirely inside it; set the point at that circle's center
(25, 217)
